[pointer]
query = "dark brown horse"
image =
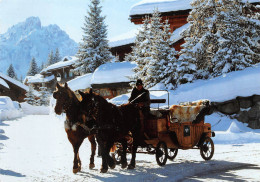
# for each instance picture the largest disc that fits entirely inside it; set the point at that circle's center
(66, 101)
(112, 124)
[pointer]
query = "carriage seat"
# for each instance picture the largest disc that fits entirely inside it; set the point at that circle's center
(155, 112)
(189, 112)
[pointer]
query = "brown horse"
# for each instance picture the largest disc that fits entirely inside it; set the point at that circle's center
(67, 101)
(112, 124)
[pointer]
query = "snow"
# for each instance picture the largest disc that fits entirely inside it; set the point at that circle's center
(38, 78)
(113, 73)
(15, 82)
(124, 39)
(3, 83)
(148, 6)
(66, 62)
(129, 37)
(8, 109)
(36, 148)
(223, 88)
(176, 35)
(80, 82)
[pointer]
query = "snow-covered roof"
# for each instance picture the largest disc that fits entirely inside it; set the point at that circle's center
(129, 37)
(38, 78)
(124, 39)
(81, 82)
(2, 82)
(15, 82)
(148, 6)
(113, 73)
(66, 62)
(176, 35)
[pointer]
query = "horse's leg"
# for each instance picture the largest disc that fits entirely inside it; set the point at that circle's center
(110, 160)
(91, 139)
(123, 156)
(134, 149)
(76, 143)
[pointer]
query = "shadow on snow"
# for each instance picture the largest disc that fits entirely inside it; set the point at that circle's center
(176, 171)
(10, 173)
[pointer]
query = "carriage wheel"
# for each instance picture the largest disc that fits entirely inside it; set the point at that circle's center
(117, 156)
(161, 153)
(172, 153)
(207, 149)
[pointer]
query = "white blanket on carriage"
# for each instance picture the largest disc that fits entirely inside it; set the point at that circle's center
(184, 113)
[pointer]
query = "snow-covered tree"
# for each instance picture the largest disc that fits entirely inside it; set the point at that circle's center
(57, 57)
(33, 69)
(162, 66)
(10, 72)
(50, 60)
(44, 97)
(30, 97)
(156, 62)
(141, 51)
(94, 50)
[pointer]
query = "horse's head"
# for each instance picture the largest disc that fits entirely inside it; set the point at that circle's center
(89, 106)
(64, 97)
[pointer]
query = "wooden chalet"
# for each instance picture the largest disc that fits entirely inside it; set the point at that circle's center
(62, 70)
(109, 80)
(175, 11)
(12, 88)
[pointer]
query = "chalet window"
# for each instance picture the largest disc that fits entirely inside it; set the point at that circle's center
(71, 74)
(65, 75)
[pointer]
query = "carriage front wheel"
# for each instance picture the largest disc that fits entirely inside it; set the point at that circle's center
(161, 153)
(172, 153)
(207, 149)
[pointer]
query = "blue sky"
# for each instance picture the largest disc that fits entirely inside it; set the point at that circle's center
(67, 14)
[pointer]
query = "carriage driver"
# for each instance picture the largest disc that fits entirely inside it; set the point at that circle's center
(141, 97)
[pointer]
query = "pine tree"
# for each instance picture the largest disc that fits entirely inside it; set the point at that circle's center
(141, 51)
(10, 72)
(161, 68)
(33, 70)
(50, 60)
(30, 97)
(44, 97)
(94, 50)
(57, 57)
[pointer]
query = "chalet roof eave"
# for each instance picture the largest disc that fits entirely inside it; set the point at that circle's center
(169, 13)
(55, 69)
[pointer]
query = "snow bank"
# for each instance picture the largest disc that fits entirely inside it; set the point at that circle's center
(35, 110)
(8, 110)
(231, 131)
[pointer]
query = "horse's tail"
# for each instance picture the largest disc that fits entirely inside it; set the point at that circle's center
(113, 148)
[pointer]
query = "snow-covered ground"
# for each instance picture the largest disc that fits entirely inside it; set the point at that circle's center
(36, 148)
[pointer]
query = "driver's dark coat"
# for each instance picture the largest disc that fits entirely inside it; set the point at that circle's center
(145, 98)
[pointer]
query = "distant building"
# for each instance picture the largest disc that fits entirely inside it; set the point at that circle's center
(109, 80)
(12, 88)
(48, 76)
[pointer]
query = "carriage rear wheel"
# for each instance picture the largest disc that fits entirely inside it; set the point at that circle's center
(207, 149)
(161, 153)
(172, 153)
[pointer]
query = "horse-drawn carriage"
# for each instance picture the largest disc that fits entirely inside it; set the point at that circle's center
(177, 127)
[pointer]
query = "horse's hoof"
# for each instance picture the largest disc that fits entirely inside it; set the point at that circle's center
(130, 166)
(76, 170)
(113, 166)
(103, 170)
(124, 165)
(91, 166)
